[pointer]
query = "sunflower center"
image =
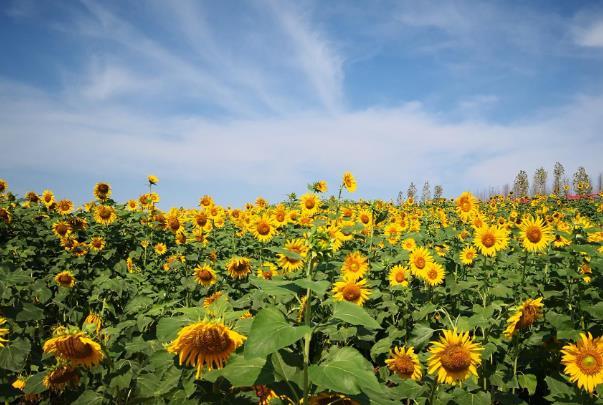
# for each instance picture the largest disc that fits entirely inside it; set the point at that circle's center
(534, 234)
(97, 243)
(404, 365)
(354, 267)
(488, 240)
(62, 375)
(267, 274)
(263, 228)
(174, 224)
(280, 216)
(400, 277)
(364, 218)
(309, 204)
(212, 340)
(103, 188)
(528, 316)
(78, 349)
(420, 262)
(201, 219)
(205, 275)
(240, 267)
(456, 358)
(104, 213)
(432, 274)
(465, 206)
(351, 292)
(62, 229)
(65, 279)
(590, 363)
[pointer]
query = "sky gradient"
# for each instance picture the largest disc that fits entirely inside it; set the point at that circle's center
(242, 99)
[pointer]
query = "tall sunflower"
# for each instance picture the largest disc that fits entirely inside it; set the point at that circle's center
(205, 343)
(584, 362)
(205, 275)
(405, 363)
(354, 266)
(490, 239)
(535, 234)
(351, 291)
(102, 191)
(238, 267)
(77, 348)
(454, 358)
(399, 275)
(525, 315)
(349, 181)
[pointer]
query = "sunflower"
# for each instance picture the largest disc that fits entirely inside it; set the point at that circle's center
(525, 315)
(205, 275)
(172, 261)
(365, 217)
(61, 229)
(105, 214)
(152, 179)
(64, 207)
(309, 203)
(5, 216)
(3, 186)
(535, 234)
(454, 358)
(76, 348)
(207, 301)
(584, 362)
(65, 279)
(201, 220)
(47, 198)
(405, 363)
(392, 232)
(60, 378)
(19, 384)
(354, 266)
(267, 270)
(279, 216)
(206, 201)
(238, 267)
(265, 395)
(349, 182)
(320, 186)
(173, 221)
(351, 291)
(160, 248)
(95, 320)
(468, 255)
(102, 191)
(433, 274)
(3, 332)
(399, 275)
(97, 243)
(262, 228)
(132, 205)
(490, 239)
(419, 259)
(466, 205)
(205, 343)
(294, 261)
(409, 244)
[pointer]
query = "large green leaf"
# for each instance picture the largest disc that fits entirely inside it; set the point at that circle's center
(14, 354)
(167, 328)
(528, 381)
(354, 314)
(270, 332)
(30, 313)
(244, 372)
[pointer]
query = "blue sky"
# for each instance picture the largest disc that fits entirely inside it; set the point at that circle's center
(241, 99)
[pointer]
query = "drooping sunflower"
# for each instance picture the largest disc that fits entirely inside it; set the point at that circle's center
(61, 377)
(466, 205)
(262, 228)
(468, 255)
(152, 179)
(454, 358)
(399, 275)
(95, 320)
(419, 259)
(524, 316)
(160, 248)
(433, 274)
(354, 266)
(65, 279)
(77, 348)
(267, 270)
(102, 191)
(3, 332)
(351, 291)
(104, 214)
(490, 239)
(47, 198)
(205, 343)
(584, 362)
(535, 234)
(349, 182)
(205, 275)
(97, 243)
(238, 267)
(320, 186)
(405, 363)
(295, 261)
(309, 203)
(64, 207)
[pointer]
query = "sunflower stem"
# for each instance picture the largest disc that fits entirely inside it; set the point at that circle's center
(308, 335)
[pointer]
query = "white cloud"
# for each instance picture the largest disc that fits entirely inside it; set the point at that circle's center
(591, 35)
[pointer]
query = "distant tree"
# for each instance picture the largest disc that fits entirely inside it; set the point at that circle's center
(539, 183)
(558, 173)
(506, 189)
(521, 184)
(438, 191)
(581, 183)
(600, 183)
(412, 191)
(426, 194)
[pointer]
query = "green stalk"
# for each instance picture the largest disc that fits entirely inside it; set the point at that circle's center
(308, 335)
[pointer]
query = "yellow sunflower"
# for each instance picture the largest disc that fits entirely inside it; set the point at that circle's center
(64, 207)
(294, 262)
(65, 279)
(132, 205)
(468, 255)
(454, 358)
(351, 291)
(210, 299)
(490, 239)
(419, 259)
(173, 221)
(3, 332)
(262, 228)
(535, 234)
(584, 362)
(47, 198)
(365, 217)
(61, 229)
(95, 320)
(466, 205)
(5, 216)
(102, 191)
(160, 248)
(320, 186)
(525, 315)
(104, 214)
(205, 275)
(97, 243)
(76, 348)
(399, 275)
(309, 203)
(60, 378)
(201, 220)
(205, 343)
(267, 270)
(238, 267)
(433, 274)
(354, 266)
(3, 186)
(405, 363)
(152, 179)
(349, 182)
(409, 244)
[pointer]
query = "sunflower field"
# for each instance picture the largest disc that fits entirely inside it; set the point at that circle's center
(319, 299)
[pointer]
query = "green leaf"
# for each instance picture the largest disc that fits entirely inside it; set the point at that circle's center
(35, 384)
(597, 310)
(13, 356)
(89, 397)
(167, 328)
(271, 332)
(150, 385)
(421, 335)
(558, 389)
(354, 314)
(319, 287)
(30, 313)
(528, 381)
(244, 372)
